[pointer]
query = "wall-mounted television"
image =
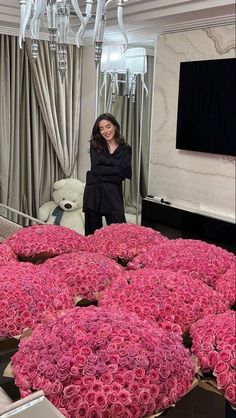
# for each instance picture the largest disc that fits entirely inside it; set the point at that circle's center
(206, 118)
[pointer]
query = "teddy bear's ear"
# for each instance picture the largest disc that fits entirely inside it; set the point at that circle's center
(58, 184)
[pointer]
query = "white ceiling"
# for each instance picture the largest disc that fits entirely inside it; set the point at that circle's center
(144, 19)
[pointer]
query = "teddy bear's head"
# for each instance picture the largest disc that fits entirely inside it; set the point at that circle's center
(68, 194)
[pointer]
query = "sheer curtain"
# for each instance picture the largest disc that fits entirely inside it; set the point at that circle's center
(59, 102)
(129, 115)
(29, 164)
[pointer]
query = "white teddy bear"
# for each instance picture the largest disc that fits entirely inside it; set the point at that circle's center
(66, 207)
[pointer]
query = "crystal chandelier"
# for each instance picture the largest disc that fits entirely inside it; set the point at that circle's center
(130, 63)
(57, 15)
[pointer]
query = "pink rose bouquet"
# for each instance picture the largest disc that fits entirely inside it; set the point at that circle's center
(96, 363)
(86, 273)
(28, 296)
(201, 260)
(173, 300)
(214, 344)
(124, 241)
(44, 241)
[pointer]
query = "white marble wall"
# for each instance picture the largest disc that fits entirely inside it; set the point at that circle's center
(87, 113)
(200, 182)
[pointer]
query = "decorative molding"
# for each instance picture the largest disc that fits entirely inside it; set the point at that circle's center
(144, 21)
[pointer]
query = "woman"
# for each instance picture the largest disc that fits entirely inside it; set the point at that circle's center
(110, 165)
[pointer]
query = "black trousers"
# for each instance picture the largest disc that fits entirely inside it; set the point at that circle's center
(93, 220)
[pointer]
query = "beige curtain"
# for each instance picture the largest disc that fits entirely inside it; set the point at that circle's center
(129, 115)
(59, 102)
(28, 163)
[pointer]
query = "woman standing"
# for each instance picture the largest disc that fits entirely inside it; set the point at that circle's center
(110, 165)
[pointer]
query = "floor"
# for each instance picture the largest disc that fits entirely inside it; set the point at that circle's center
(198, 403)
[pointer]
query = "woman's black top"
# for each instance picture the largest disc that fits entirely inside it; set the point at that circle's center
(103, 190)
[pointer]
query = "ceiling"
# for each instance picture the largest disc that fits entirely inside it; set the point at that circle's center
(143, 19)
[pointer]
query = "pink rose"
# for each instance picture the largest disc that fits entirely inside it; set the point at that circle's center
(101, 367)
(220, 367)
(112, 397)
(56, 387)
(89, 397)
(100, 401)
(133, 387)
(124, 397)
(117, 409)
(89, 370)
(80, 360)
(129, 376)
(112, 368)
(182, 389)
(88, 380)
(70, 391)
(74, 371)
(116, 387)
(94, 412)
(222, 379)
(213, 358)
(144, 396)
(82, 410)
(225, 356)
(139, 372)
(230, 393)
(134, 409)
(63, 374)
(106, 378)
(97, 386)
(51, 371)
(74, 403)
(47, 387)
(154, 390)
(119, 378)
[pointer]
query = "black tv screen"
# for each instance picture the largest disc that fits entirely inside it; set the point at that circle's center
(206, 119)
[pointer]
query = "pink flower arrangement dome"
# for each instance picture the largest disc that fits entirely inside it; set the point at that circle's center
(124, 241)
(95, 363)
(86, 273)
(173, 300)
(29, 296)
(214, 344)
(44, 241)
(201, 260)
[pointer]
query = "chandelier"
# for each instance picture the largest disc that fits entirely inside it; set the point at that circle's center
(122, 67)
(54, 15)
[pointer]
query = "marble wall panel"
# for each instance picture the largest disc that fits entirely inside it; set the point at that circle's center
(197, 181)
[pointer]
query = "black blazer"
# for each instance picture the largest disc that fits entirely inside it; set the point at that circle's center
(103, 190)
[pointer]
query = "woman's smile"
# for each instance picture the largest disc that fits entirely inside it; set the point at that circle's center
(107, 130)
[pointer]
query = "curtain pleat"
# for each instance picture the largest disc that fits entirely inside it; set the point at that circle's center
(28, 163)
(59, 102)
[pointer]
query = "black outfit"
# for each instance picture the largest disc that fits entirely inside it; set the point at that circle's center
(103, 191)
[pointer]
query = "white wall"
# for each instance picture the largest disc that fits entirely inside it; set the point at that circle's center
(198, 181)
(87, 114)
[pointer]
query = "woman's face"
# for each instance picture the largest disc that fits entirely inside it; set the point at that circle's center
(107, 130)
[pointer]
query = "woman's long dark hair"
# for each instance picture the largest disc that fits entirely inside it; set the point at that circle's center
(97, 142)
